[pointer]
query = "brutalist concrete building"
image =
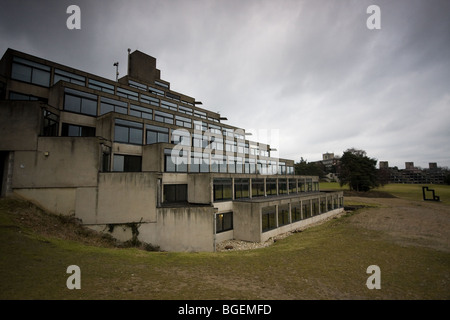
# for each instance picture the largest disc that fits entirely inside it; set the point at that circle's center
(133, 155)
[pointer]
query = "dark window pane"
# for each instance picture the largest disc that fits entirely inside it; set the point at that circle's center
(21, 72)
(121, 134)
(41, 77)
(135, 136)
(72, 103)
(89, 107)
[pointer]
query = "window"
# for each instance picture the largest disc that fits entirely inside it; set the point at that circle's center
(71, 130)
(282, 186)
(80, 102)
(161, 84)
(22, 97)
(173, 193)
(283, 215)
(173, 96)
(181, 136)
(156, 91)
(183, 122)
(149, 100)
(306, 209)
(268, 218)
(169, 105)
(222, 189)
(111, 105)
(200, 114)
(101, 86)
(157, 134)
(128, 132)
(50, 124)
(249, 166)
(224, 222)
(175, 160)
(199, 162)
(292, 186)
(296, 211)
(137, 85)
(185, 110)
(163, 117)
(241, 188)
(218, 163)
(271, 186)
(61, 75)
(121, 92)
(257, 188)
(31, 72)
(127, 163)
(141, 112)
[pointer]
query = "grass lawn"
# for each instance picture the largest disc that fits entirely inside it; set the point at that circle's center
(328, 261)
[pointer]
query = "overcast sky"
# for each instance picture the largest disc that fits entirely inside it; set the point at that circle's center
(308, 77)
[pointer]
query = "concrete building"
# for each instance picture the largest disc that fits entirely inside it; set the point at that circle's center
(134, 158)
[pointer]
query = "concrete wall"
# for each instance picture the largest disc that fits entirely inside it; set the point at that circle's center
(181, 229)
(58, 162)
(199, 188)
(19, 125)
(126, 197)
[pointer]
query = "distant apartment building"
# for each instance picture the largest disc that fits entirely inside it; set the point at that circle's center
(133, 152)
(411, 174)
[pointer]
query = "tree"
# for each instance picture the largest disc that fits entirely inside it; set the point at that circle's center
(358, 170)
(309, 169)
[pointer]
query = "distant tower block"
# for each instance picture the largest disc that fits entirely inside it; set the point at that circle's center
(327, 156)
(384, 164)
(409, 165)
(432, 165)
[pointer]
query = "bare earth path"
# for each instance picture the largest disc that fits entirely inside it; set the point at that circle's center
(418, 223)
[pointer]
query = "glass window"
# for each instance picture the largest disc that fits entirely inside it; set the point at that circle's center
(127, 163)
(71, 130)
(292, 186)
(175, 160)
(271, 186)
(121, 92)
(222, 189)
(156, 91)
(149, 100)
(224, 222)
(30, 71)
(257, 187)
(141, 112)
(296, 211)
(157, 134)
(137, 85)
(185, 110)
(101, 86)
(173, 193)
(80, 102)
(183, 122)
(163, 117)
(241, 188)
(128, 132)
(181, 136)
(162, 84)
(268, 218)
(283, 215)
(68, 77)
(110, 105)
(282, 186)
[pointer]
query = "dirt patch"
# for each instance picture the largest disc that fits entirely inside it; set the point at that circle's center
(406, 222)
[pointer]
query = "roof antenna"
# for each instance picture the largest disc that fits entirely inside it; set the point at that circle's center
(116, 64)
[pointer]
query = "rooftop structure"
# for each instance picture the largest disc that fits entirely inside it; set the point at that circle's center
(135, 152)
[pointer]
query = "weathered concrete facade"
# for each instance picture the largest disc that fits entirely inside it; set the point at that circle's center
(137, 159)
